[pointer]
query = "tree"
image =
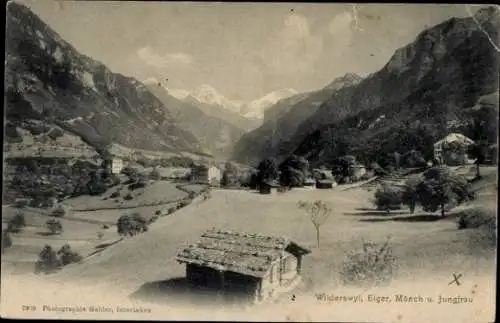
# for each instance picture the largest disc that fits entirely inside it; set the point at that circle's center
(294, 171)
(68, 256)
(440, 190)
(131, 224)
(478, 151)
(17, 223)
(6, 240)
(409, 194)
(229, 176)
(344, 166)
(319, 212)
(48, 260)
(387, 198)
(54, 226)
(267, 170)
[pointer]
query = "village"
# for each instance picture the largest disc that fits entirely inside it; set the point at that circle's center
(252, 262)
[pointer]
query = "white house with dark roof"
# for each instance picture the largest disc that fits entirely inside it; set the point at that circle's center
(444, 157)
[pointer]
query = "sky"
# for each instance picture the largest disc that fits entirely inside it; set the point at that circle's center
(244, 50)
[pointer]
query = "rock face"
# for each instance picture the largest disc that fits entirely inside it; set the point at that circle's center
(48, 79)
(409, 103)
(215, 134)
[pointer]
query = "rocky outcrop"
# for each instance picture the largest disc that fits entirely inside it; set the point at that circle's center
(48, 79)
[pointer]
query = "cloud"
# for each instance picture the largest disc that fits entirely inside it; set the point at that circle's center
(293, 49)
(152, 58)
(342, 23)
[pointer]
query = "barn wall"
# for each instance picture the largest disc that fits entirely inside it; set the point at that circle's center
(202, 276)
(232, 283)
(279, 275)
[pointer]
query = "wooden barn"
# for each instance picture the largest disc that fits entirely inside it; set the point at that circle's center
(253, 266)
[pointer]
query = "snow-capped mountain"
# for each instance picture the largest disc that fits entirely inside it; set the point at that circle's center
(256, 108)
(208, 95)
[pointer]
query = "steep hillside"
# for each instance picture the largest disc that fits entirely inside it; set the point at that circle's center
(424, 91)
(215, 134)
(282, 119)
(48, 79)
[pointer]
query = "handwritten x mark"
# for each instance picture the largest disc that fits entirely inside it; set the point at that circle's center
(455, 279)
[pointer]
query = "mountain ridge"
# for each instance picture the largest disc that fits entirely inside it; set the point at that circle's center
(428, 83)
(48, 79)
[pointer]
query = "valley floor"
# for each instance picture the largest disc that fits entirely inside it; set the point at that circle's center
(428, 252)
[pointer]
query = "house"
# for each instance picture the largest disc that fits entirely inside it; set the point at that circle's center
(325, 183)
(359, 170)
(206, 173)
(252, 265)
(269, 187)
(171, 173)
(452, 149)
(309, 182)
(113, 163)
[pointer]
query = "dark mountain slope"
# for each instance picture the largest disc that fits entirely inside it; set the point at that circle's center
(282, 119)
(424, 91)
(48, 79)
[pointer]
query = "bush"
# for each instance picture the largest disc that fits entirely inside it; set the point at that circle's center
(59, 212)
(54, 226)
(21, 203)
(115, 194)
(155, 175)
(387, 198)
(477, 218)
(171, 210)
(128, 197)
(371, 266)
(17, 223)
(68, 256)
(131, 224)
(158, 212)
(6, 240)
(137, 185)
(48, 261)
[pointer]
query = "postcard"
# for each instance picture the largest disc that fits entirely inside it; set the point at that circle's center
(250, 161)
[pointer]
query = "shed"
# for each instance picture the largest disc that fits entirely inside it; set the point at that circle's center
(268, 187)
(252, 265)
(309, 182)
(325, 184)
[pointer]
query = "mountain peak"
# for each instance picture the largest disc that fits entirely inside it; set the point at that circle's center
(256, 109)
(208, 94)
(347, 80)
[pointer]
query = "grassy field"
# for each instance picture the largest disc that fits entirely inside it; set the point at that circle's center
(81, 228)
(155, 192)
(427, 249)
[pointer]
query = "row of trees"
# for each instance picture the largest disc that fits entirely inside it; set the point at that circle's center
(50, 260)
(438, 190)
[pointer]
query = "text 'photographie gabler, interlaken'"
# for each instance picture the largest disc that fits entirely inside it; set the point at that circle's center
(250, 161)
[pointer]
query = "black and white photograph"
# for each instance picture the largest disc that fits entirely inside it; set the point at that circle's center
(239, 161)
